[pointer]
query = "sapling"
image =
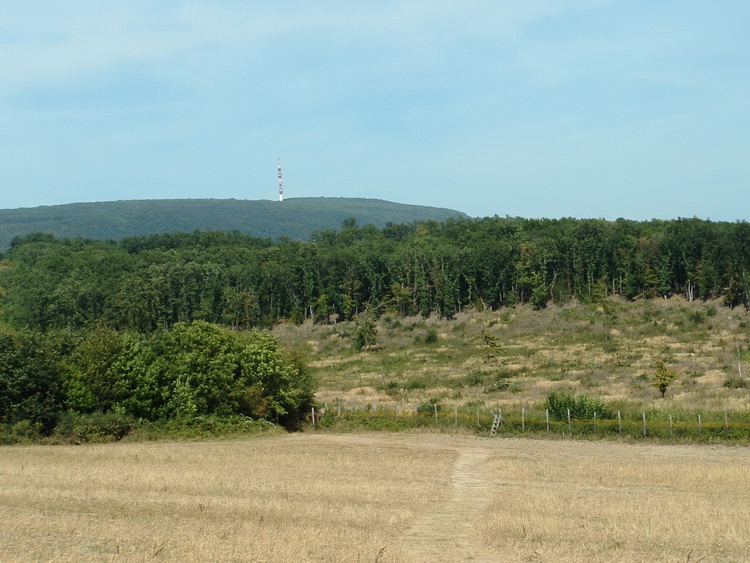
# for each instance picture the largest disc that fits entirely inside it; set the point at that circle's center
(663, 377)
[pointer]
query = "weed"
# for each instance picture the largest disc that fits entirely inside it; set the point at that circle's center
(579, 407)
(733, 382)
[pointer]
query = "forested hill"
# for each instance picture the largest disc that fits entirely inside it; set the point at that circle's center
(295, 218)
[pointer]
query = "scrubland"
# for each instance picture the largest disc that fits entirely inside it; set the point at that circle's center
(575, 347)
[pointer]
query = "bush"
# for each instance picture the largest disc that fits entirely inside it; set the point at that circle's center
(581, 407)
(429, 407)
(96, 427)
(414, 384)
(735, 383)
(431, 337)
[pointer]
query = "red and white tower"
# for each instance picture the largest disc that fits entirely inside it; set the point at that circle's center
(281, 186)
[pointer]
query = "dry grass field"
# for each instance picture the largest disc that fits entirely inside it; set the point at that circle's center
(375, 497)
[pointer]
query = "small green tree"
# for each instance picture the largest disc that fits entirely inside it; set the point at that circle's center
(367, 334)
(663, 377)
(490, 346)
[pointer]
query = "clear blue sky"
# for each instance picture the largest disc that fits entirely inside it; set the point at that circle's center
(571, 108)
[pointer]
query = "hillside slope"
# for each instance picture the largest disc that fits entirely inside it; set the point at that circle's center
(295, 218)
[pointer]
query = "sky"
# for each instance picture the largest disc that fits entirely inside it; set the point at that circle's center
(525, 108)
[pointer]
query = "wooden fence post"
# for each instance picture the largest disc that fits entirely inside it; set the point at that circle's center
(523, 419)
(670, 426)
(700, 427)
(619, 422)
(644, 425)
(436, 416)
(546, 416)
(570, 426)
(313, 416)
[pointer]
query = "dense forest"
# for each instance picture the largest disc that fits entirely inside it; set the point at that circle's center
(171, 326)
(149, 283)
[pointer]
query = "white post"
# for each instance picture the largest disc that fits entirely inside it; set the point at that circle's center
(700, 427)
(570, 426)
(670, 426)
(436, 417)
(619, 422)
(523, 419)
(546, 416)
(313, 416)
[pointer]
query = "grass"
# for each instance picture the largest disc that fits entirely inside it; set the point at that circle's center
(374, 497)
(564, 348)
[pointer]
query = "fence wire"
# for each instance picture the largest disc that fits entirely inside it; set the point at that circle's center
(645, 425)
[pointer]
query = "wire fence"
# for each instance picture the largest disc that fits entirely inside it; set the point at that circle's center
(658, 425)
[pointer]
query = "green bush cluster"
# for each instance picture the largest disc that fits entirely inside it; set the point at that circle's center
(91, 386)
(581, 407)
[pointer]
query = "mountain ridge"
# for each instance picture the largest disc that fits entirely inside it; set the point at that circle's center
(295, 218)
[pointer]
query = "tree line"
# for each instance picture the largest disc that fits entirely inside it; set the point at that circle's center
(150, 283)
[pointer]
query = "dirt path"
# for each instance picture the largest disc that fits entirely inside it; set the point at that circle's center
(450, 534)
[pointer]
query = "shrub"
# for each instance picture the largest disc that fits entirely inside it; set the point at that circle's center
(663, 377)
(95, 427)
(733, 382)
(414, 384)
(367, 334)
(429, 407)
(431, 337)
(581, 407)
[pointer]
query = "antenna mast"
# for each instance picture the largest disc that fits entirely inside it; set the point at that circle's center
(281, 187)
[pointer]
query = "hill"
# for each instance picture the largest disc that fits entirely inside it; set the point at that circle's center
(295, 218)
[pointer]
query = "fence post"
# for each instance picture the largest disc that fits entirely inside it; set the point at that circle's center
(726, 424)
(596, 429)
(670, 426)
(313, 416)
(477, 417)
(570, 426)
(436, 416)
(523, 419)
(700, 427)
(644, 425)
(455, 416)
(619, 422)
(546, 416)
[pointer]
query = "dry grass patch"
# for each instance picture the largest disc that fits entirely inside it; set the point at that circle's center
(559, 501)
(407, 497)
(278, 499)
